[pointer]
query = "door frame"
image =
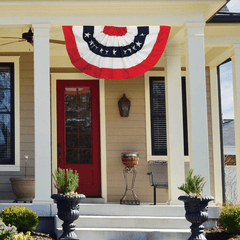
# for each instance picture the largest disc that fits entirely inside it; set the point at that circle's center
(103, 159)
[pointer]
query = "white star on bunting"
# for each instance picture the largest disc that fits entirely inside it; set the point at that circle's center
(87, 35)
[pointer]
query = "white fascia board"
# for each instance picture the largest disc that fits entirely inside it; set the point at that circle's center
(118, 12)
(102, 19)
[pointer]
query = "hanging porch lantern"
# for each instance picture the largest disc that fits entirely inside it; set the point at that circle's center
(124, 106)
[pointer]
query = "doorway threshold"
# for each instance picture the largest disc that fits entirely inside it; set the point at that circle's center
(93, 200)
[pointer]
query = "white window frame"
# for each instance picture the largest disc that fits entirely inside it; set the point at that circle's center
(15, 61)
(147, 76)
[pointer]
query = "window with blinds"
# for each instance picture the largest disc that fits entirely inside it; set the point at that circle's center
(6, 113)
(158, 116)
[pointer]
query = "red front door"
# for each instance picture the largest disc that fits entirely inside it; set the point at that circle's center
(78, 132)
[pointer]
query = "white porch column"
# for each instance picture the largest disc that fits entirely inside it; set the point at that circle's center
(197, 103)
(236, 95)
(176, 174)
(217, 165)
(42, 113)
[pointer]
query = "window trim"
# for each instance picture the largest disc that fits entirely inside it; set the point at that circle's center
(15, 61)
(147, 76)
(162, 151)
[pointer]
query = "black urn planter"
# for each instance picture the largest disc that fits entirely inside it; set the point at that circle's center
(196, 213)
(68, 212)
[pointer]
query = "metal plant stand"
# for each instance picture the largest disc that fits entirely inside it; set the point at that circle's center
(130, 198)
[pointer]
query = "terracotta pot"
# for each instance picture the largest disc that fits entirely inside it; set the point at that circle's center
(23, 188)
(130, 161)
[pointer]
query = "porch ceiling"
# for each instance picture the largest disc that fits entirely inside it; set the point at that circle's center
(219, 42)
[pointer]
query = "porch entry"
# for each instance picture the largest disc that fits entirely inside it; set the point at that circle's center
(78, 132)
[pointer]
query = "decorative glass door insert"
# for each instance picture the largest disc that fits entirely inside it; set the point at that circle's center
(78, 125)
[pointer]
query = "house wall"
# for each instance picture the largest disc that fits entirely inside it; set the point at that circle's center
(123, 134)
(26, 126)
(127, 134)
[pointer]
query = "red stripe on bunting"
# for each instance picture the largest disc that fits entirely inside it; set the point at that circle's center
(116, 74)
(115, 31)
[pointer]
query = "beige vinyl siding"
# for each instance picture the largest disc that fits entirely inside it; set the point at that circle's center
(125, 134)
(26, 126)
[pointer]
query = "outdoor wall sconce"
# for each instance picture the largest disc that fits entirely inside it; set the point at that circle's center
(124, 106)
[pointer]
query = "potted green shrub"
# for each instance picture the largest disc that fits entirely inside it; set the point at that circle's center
(195, 204)
(67, 200)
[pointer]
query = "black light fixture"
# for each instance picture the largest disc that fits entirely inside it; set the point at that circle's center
(124, 106)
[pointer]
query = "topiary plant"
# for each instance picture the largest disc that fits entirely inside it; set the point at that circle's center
(67, 182)
(19, 216)
(193, 185)
(229, 218)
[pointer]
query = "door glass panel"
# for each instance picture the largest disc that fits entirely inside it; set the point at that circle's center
(71, 156)
(78, 125)
(85, 155)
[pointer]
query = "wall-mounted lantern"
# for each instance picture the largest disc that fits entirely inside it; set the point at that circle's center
(124, 106)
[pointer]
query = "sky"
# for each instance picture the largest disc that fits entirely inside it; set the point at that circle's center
(234, 6)
(227, 91)
(226, 76)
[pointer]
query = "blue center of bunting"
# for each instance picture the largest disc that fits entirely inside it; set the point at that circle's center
(113, 51)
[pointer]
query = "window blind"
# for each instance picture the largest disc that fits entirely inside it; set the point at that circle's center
(158, 116)
(6, 113)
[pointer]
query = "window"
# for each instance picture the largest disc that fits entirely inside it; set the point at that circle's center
(184, 105)
(158, 116)
(7, 114)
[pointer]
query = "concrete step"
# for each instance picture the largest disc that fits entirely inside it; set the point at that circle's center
(129, 222)
(132, 210)
(129, 234)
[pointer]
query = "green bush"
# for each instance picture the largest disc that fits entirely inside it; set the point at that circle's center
(21, 217)
(7, 232)
(230, 218)
(66, 183)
